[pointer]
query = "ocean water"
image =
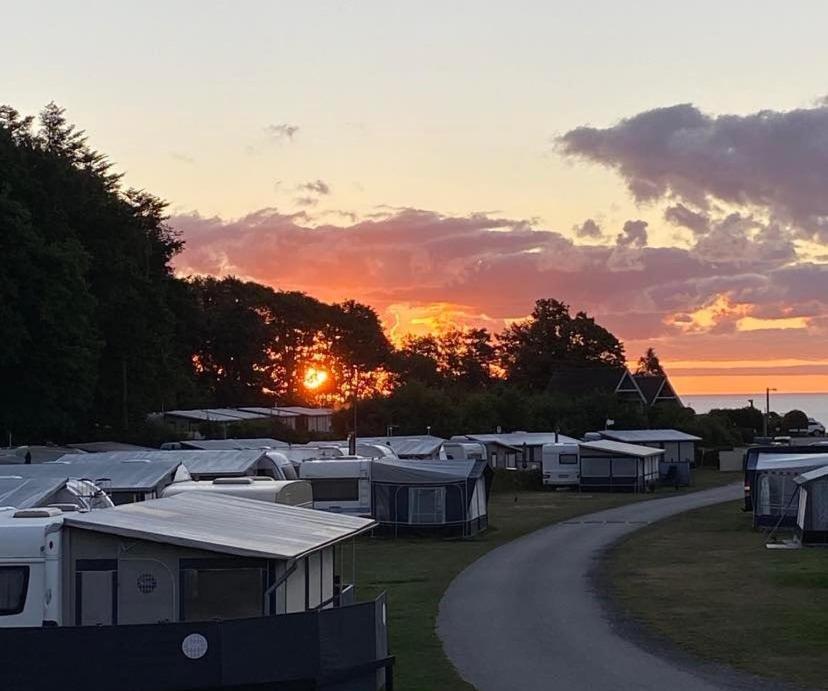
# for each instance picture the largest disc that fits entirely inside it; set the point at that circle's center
(815, 405)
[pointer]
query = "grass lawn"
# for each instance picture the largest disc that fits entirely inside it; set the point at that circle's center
(416, 572)
(705, 580)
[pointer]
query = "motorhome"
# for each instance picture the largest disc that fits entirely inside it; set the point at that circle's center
(288, 492)
(561, 465)
(341, 485)
(194, 584)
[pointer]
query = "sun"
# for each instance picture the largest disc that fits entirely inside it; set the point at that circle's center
(315, 378)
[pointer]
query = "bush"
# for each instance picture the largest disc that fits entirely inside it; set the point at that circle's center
(506, 480)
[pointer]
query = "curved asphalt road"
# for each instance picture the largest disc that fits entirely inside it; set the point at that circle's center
(525, 616)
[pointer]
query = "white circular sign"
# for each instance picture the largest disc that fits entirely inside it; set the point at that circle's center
(194, 646)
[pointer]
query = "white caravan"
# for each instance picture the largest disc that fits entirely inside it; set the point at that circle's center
(561, 465)
(463, 451)
(341, 485)
(287, 492)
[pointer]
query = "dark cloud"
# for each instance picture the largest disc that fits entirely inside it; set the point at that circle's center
(634, 234)
(588, 229)
(306, 201)
(281, 132)
(680, 215)
(319, 187)
(771, 160)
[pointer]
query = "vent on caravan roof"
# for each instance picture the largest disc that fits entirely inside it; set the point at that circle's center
(233, 481)
(64, 508)
(593, 436)
(45, 512)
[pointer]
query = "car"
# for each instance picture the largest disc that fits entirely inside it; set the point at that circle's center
(814, 429)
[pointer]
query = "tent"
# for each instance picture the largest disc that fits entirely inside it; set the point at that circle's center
(445, 497)
(614, 465)
(775, 490)
(812, 514)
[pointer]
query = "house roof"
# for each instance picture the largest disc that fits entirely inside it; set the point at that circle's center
(208, 415)
(27, 492)
(225, 524)
(655, 387)
(234, 444)
(638, 436)
(309, 412)
(415, 445)
(270, 412)
(582, 380)
(622, 448)
(122, 474)
(515, 440)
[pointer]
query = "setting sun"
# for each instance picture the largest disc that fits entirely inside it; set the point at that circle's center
(315, 377)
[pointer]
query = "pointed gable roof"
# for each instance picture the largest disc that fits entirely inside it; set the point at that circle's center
(576, 381)
(656, 388)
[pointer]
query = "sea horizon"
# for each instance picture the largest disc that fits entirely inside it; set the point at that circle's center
(815, 405)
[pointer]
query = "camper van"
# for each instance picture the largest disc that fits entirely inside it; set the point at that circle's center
(561, 465)
(287, 492)
(194, 584)
(341, 485)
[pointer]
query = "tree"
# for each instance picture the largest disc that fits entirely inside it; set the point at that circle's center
(649, 364)
(794, 420)
(551, 338)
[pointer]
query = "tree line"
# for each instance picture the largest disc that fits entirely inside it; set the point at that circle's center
(96, 331)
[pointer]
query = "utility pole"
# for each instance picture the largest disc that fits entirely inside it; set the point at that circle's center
(767, 409)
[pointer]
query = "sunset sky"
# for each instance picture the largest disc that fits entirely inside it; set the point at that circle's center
(663, 166)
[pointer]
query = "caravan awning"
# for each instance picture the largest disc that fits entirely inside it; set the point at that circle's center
(425, 472)
(27, 492)
(225, 524)
(128, 475)
(621, 448)
(219, 462)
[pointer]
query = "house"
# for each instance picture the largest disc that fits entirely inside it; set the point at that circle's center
(519, 450)
(656, 389)
(442, 497)
(187, 593)
(679, 447)
(192, 423)
(578, 381)
(283, 417)
(125, 478)
(615, 465)
(812, 515)
(311, 419)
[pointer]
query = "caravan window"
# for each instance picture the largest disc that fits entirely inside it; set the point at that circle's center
(568, 459)
(335, 489)
(426, 504)
(212, 590)
(14, 582)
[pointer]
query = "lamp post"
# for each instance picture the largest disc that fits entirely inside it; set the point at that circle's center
(767, 409)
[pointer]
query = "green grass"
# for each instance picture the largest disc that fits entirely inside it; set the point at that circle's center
(705, 580)
(416, 572)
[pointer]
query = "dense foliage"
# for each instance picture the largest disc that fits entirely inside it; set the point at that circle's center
(96, 331)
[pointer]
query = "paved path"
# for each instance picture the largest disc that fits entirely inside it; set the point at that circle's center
(525, 616)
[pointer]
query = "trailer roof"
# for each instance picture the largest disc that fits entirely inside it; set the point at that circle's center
(634, 436)
(213, 462)
(620, 447)
(414, 445)
(812, 475)
(122, 475)
(427, 472)
(235, 444)
(27, 492)
(516, 440)
(792, 462)
(225, 524)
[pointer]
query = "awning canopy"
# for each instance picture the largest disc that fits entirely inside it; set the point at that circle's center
(425, 472)
(121, 475)
(621, 448)
(225, 524)
(28, 492)
(212, 462)
(647, 436)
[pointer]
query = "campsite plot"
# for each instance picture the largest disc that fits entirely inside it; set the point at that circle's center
(416, 572)
(705, 581)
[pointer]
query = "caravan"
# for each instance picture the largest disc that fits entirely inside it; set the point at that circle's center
(561, 465)
(341, 485)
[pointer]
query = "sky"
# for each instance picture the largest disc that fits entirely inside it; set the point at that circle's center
(662, 167)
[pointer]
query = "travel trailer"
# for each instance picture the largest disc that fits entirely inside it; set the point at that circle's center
(185, 593)
(561, 465)
(341, 485)
(287, 492)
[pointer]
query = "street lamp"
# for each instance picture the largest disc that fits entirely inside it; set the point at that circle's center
(767, 409)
